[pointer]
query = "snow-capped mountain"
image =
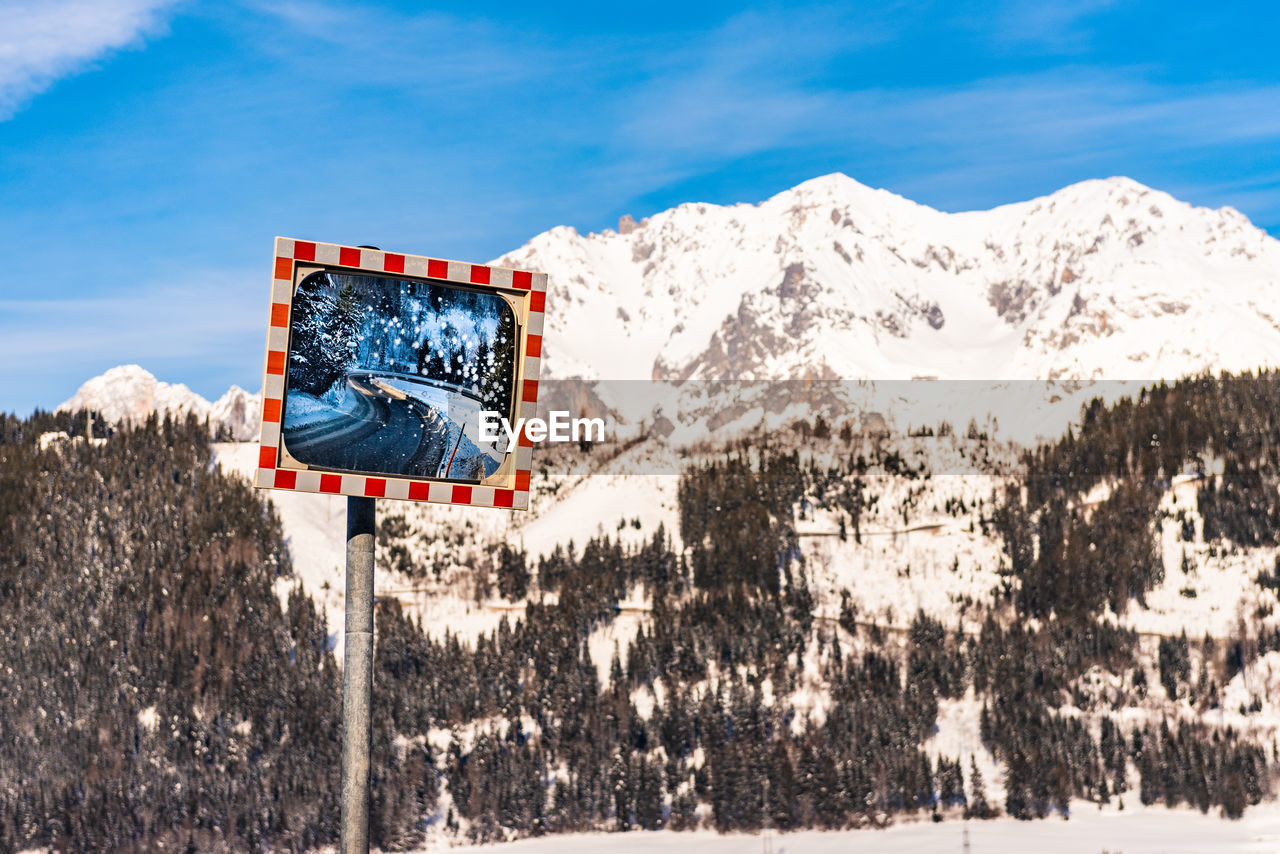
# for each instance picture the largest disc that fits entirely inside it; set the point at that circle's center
(833, 279)
(130, 393)
(239, 411)
(1105, 279)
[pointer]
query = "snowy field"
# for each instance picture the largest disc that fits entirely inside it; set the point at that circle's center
(1089, 831)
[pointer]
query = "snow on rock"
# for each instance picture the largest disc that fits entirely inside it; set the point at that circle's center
(129, 393)
(53, 439)
(239, 411)
(833, 279)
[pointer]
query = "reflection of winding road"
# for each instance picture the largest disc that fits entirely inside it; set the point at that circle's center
(387, 431)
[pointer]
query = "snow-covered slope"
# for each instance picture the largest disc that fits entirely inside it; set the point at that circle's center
(833, 279)
(130, 393)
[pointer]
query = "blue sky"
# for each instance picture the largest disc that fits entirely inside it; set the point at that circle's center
(149, 151)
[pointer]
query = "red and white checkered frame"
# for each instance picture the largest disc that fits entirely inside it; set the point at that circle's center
(508, 490)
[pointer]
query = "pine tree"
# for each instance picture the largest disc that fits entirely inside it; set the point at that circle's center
(978, 807)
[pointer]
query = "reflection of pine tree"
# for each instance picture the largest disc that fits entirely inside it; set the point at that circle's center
(387, 325)
(484, 367)
(498, 365)
(326, 333)
(344, 330)
(425, 352)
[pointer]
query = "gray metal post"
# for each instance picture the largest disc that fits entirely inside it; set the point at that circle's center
(357, 676)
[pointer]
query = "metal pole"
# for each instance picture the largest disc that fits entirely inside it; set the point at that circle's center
(357, 676)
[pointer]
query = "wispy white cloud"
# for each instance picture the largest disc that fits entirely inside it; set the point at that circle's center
(629, 117)
(206, 331)
(161, 321)
(351, 46)
(45, 40)
(717, 104)
(1086, 112)
(1062, 28)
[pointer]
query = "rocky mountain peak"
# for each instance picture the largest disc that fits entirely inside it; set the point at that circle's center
(1103, 278)
(129, 393)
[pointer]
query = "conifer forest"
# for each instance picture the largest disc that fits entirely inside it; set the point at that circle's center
(167, 681)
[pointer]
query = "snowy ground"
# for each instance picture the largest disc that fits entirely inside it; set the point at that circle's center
(1089, 831)
(929, 560)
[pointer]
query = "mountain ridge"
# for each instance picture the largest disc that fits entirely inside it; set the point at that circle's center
(130, 393)
(834, 279)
